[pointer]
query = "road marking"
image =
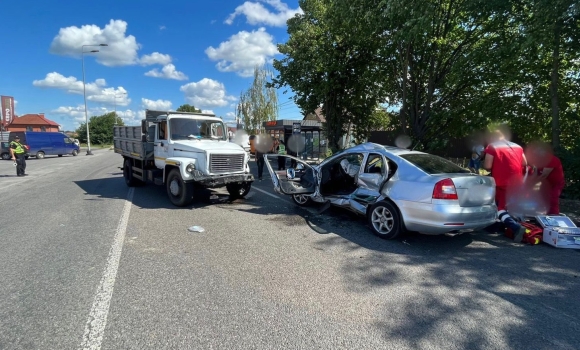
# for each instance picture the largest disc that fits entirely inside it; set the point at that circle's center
(265, 192)
(95, 327)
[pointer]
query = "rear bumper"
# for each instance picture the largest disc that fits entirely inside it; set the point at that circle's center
(438, 219)
(214, 181)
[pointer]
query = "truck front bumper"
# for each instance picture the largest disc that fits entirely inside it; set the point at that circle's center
(213, 181)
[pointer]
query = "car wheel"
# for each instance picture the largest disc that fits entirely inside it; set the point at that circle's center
(75, 152)
(39, 155)
(385, 220)
(5, 156)
(239, 190)
(301, 199)
(179, 192)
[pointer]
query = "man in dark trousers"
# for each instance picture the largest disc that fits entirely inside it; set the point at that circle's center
(18, 152)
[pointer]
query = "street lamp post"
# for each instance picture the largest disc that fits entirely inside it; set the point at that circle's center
(124, 93)
(89, 153)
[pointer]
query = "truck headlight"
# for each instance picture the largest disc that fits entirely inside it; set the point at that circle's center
(190, 168)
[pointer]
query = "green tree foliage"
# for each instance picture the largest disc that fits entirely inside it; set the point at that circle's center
(324, 67)
(188, 108)
(100, 129)
(259, 103)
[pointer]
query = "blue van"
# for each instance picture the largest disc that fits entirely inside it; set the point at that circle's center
(47, 143)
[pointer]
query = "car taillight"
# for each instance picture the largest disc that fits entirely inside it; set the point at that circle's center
(445, 189)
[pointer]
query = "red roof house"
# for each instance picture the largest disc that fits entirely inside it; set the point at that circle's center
(33, 122)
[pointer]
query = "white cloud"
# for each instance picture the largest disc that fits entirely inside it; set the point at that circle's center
(206, 93)
(243, 51)
(95, 91)
(155, 58)
(257, 14)
(162, 27)
(207, 111)
(121, 50)
(167, 72)
(130, 117)
(230, 115)
(157, 105)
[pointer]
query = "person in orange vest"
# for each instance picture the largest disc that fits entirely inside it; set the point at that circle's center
(18, 153)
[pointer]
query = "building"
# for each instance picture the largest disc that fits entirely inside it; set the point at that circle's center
(310, 127)
(33, 122)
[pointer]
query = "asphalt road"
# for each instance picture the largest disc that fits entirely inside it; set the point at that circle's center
(87, 263)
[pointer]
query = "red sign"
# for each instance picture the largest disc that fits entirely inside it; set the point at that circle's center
(7, 109)
(271, 123)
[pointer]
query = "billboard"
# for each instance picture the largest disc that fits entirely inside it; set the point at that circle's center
(7, 109)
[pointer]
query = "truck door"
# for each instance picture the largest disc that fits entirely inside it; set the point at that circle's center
(161, 147)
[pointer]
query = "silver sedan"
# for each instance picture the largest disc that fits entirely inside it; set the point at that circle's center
(395, 189)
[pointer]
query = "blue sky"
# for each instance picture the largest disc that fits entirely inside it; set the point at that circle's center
(161, 54)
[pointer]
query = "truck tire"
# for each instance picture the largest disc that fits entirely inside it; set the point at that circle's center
(239, 190)
(180, 193)
(128, 174)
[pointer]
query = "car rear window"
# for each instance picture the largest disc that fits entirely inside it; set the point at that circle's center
(433, 164)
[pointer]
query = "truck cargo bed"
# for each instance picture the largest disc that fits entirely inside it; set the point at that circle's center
(130, 142)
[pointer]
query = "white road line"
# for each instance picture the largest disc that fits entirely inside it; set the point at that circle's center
(95, 327)
(268, 193)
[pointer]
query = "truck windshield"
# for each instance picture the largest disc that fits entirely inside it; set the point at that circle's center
(190, 129)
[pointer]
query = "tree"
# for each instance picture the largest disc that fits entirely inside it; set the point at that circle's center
(100, 129)
(259, 103)
(326, 68)
(188, 108)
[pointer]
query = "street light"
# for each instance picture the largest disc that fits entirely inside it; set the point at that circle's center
(89, 153)
(123, 93)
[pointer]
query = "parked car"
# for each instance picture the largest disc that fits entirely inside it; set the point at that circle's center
(5, 151)
(47, 143)
(395, 189)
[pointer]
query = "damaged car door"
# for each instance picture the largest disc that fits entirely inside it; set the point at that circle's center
(292, 181)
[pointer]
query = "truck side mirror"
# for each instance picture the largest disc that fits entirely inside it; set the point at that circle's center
(144, 127)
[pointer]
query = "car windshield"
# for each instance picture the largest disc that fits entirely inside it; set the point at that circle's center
(190, 129)
(433, 164)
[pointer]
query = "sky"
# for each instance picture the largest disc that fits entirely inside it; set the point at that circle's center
(160, 55)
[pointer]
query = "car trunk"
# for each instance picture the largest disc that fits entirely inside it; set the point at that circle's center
(474, 190)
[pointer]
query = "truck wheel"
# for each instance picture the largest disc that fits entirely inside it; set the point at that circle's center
(179, 192)
(239, 190)
(75, 152)
(128, 174)
(39, 155)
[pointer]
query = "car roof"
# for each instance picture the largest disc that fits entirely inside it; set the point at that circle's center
(370, 146)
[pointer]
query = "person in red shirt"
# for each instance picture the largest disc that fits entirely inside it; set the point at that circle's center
(506, 161)
(550, 174)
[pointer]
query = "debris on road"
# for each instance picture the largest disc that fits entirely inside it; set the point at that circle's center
(196, 229)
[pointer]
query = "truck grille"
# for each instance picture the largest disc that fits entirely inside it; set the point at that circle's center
(226, 163)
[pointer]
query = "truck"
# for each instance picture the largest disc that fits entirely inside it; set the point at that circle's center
(182, 151)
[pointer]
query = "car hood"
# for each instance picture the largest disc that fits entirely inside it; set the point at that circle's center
(207, 145)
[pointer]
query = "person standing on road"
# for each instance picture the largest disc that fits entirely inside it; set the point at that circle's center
(281, 150)
(549, 173)
(18, 153)
(506, 161)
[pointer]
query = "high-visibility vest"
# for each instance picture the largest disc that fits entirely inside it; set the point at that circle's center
(19, 148)
(281, 149)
